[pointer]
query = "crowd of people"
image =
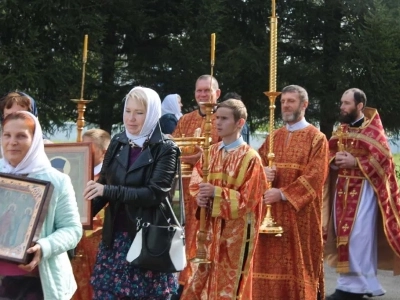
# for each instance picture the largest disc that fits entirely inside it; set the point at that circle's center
(337, 201)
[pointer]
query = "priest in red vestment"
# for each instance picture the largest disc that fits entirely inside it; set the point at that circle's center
(290, 266)
(233, 198)
(205, 91)
(362, 201)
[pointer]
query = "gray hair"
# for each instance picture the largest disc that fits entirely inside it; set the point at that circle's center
(214, 84)
(296, 88)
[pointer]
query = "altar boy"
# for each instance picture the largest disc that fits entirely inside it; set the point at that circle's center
(232, 196)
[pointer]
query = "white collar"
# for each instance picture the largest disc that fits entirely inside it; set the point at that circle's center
(297, 126)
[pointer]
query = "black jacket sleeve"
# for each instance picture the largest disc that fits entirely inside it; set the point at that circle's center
(157, 186)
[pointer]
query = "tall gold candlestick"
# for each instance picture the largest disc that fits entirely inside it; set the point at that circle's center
(202, 234)
(85, 48)
(269, 225)
(81, 103)
(212, 50)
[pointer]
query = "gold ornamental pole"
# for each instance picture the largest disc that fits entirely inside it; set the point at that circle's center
(81, 103)
(202, 234)
(269, 225)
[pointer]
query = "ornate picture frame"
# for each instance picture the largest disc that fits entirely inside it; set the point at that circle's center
(23, 208)
(75, 160)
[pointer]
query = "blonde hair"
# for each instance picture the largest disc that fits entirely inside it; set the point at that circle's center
(138, 95)
(237, 106)
(100, 137)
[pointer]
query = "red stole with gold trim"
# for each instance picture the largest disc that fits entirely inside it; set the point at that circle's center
(368, 144)
(348, 194)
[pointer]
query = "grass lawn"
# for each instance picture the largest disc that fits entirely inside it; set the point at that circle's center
(397, 159)
(397, 163)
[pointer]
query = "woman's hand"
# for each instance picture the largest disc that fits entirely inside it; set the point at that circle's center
(93, 190)
(37, 257)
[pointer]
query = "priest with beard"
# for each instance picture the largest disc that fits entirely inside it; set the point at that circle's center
(290, 266)
(361, 201)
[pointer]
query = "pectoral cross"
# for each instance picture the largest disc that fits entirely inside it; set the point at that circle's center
(342, 134)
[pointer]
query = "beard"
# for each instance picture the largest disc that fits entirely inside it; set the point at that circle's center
(348, 118)
(291, 117)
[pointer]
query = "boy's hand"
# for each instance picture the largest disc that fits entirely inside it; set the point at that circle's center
(206, 190)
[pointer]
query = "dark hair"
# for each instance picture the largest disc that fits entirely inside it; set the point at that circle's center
(20, 98)
(358, 96)
(232, 95)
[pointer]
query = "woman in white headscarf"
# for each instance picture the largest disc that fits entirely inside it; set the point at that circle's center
(49, 274)
(171, 108)
(137, 175)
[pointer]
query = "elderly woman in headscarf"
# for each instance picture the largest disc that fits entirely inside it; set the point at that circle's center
(171, 113)
(137, 175)
(49, 274)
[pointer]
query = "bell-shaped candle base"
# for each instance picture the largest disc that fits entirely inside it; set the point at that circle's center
(201, 254)
(269, 226)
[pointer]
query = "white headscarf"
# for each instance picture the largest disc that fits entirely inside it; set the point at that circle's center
(170, 105)
(153, 113)
(35, 160)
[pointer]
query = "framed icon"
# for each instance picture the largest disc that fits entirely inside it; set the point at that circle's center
(23, 208)
(75, 160)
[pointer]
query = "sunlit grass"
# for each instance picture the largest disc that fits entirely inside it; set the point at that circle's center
(397, 159)
(397, 163)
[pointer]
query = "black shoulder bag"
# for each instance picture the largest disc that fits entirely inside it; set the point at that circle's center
(161, 246)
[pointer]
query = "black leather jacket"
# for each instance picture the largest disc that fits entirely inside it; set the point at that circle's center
(140, 188)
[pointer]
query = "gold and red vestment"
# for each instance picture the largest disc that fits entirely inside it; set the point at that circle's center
(291, 267)
(232, 223)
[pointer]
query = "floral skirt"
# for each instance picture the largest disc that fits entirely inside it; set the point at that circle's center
(114, 277)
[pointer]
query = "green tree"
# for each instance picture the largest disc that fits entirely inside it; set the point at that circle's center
(39, 47)
(375, 60)
(327, 46)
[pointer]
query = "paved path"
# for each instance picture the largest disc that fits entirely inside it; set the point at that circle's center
(389, 282)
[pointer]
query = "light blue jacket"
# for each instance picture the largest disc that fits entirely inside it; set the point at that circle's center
(61, 231)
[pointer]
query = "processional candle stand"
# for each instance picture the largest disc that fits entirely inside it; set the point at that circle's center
(268, 225)
(202, 234)
(187, 145)
(81, 103)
